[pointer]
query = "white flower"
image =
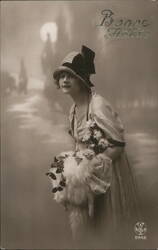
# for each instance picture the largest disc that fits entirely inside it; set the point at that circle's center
(90, 124)
(97, 134)
(92, 145)
(86, 136)
(103, 142)
(79, 154)
(89, 154)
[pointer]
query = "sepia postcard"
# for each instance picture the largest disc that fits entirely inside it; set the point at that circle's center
(79, 124)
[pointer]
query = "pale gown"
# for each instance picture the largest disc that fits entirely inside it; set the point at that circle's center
(116, 211)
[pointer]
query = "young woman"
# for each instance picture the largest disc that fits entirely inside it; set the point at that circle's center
(111, 203)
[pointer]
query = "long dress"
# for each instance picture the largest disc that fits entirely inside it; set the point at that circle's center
(116, 211)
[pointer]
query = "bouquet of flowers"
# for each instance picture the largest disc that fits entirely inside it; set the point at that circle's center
(77, 176)
(95, 138)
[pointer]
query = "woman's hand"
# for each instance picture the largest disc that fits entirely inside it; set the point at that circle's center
(99, 161)
(111, 154)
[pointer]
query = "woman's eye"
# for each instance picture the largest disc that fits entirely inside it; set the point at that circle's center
(62, 75)
(67, 75)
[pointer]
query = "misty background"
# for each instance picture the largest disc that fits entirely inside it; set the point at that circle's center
(34, 113)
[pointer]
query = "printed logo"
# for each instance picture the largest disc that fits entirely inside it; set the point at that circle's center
(140, 230)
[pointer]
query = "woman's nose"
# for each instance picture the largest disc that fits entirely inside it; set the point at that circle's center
(66, 78)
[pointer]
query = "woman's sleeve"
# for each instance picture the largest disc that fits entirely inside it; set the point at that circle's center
(108, 120)
(100, 179)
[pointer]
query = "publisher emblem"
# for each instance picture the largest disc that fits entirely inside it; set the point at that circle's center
(140, 230)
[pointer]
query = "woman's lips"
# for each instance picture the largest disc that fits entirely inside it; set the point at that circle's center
(66, 86)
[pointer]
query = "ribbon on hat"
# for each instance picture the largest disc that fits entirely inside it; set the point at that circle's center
(88, 56)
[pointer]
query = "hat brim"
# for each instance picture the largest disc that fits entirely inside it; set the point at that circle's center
(60, 69)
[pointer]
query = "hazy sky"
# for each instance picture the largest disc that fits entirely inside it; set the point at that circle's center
(77, 24)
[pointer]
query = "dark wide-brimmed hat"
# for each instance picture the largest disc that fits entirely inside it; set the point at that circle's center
(81, 65)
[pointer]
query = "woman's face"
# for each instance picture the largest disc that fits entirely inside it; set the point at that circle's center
(69, 84)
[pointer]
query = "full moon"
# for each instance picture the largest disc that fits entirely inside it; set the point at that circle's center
(51, 29)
